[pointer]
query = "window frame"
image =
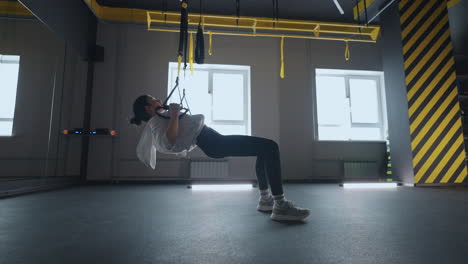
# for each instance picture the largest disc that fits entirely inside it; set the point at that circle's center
(378, 77)
(222, 69)
(11, 59)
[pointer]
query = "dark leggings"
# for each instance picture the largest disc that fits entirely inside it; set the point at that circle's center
(268, 166)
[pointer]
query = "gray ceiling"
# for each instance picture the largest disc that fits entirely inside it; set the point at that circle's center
(322, 10)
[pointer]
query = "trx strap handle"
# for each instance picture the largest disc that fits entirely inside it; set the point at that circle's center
(166, 106)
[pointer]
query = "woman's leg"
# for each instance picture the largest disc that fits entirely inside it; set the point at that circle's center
(216, 145)
(261, 174)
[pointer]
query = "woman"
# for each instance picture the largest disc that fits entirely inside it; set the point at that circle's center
(179, 136)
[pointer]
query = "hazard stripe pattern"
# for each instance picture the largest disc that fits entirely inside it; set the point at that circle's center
(437, 140)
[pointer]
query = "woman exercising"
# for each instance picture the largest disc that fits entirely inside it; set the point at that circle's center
(179, 136)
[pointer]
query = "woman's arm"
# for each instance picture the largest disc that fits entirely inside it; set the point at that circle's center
(173, 128)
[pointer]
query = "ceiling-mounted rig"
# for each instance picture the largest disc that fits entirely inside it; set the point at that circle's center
(264, 27)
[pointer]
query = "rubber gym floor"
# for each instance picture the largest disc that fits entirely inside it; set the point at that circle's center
(137, 223)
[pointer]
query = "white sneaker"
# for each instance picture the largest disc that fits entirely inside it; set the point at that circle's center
(265, 205)
(289, 212)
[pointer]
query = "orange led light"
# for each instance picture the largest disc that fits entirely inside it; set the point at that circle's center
(65, 132)
(113, 133)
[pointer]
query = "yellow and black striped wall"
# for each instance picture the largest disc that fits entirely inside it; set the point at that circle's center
(437, 142)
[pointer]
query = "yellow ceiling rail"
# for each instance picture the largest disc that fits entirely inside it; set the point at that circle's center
(132, 15)
(239, 26)
(13, 8)
(267, 35)
(250, 26)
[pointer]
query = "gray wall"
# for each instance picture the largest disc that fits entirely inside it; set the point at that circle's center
(399, 132)
(70, 20)
(459, 33)
(303, 156)
(49, 97)
(459, 27)
(136, 62)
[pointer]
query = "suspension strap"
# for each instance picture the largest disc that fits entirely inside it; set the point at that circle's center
(200, 46)
(181, 54)
(282, 58)
(210, 49)
(347, 53)
(358, 15)
(164, 9)
(166, 106)
(191, 53)
(365, 11)
(237, 11)
(275, 11)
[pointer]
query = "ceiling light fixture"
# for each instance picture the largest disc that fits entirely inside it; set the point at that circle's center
(338, 6)
(222, 187)
(370, 185)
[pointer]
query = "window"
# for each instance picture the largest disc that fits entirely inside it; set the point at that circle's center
(220, 92)
(9, 66)
(350, 105)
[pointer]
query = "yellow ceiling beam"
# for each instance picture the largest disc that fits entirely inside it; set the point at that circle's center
(230, 25)
(13, 8)
(220, 24)
(132, 15)
(268, 35)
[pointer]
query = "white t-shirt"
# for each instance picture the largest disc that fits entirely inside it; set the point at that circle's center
(153, 138)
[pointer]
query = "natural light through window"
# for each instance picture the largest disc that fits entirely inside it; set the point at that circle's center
(228, 94)
(9, 67)
(220, 92)
(350, 105)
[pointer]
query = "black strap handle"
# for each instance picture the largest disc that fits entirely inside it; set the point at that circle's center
(166, 106)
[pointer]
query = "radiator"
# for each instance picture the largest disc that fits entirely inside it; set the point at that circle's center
(360, 169)
(209, 169)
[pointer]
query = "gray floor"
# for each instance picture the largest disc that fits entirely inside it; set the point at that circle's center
(173, 224)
